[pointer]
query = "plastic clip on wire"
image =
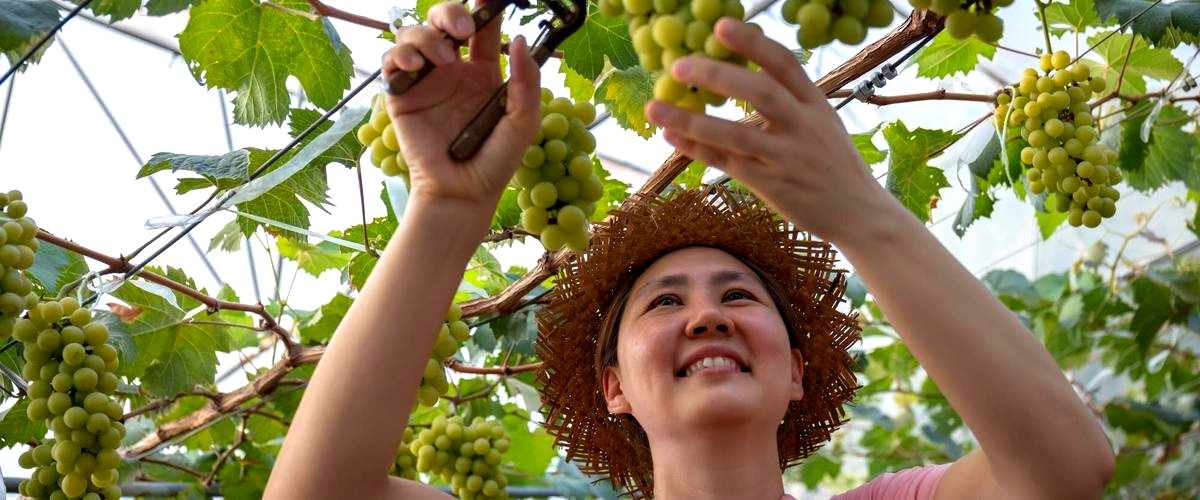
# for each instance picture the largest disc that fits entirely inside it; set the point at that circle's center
(568, 18)
(865, 89)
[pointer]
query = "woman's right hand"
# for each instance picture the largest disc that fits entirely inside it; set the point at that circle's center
(431, 114)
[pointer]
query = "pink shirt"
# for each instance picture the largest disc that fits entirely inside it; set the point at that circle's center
(914, 483)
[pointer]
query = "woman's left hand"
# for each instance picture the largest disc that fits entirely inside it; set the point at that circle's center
(802, 162)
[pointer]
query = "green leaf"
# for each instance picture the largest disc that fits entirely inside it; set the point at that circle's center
(1048, 222)
(600, 38)
(1153, 310)
(1077, 16)
(582, 89)
(615, 191)
(1170, 155)
(1006, 282)
(228, 239)
(508, 212)
(227, 170)
(1144, 62)
(1181, 15)
(54, 267)
(945, 56)
(910, 178)
(15, 427)
(692, 175)
(326, 321)
(164, 7)
(816, 468)
(251, 48)
(1194, 224)
(977, 205)
(116, 10)
(870, 154)
(313, 259)
(625, 93)
(22, 24)
(533, 450)
(423, 7)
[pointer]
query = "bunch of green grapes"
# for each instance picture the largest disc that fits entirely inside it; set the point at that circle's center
(18, 241)
(70, 367)
(666, 30)
(467, 457)
(559, 190)
(453, 333)
(1056, 120)
(821, 21)
(966, 17)
(405, 465)
(379, 135)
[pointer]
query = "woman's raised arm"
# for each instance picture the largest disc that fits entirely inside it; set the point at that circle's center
(351, 420)
(1038, 439)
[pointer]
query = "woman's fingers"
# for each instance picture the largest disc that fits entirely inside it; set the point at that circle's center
(775, 59)
(452, 18)
(742, 138)
(429, 42)
(485, 45)
(767, 95)
(522, 109)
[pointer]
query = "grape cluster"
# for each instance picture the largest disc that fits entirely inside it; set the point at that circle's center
(405, 465)
(1065, 160)
(666, 30)
(821, 21)
(379, 135)
(467, 457)
(18, 241)
(453, 333)
(971, 16)
(70, 368)
(559, 190)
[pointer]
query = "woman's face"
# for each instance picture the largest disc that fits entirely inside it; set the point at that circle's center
(701, 343)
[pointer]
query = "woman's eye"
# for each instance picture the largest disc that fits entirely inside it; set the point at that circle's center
(665, 300)
(738, 295)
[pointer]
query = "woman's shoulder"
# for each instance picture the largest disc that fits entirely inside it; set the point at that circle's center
(914, 483)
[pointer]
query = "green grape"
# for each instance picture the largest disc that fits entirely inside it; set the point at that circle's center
(551, 172)
(556, 150)
(854, 8)
(543, 195)
(715, 49)
(668, 31)
(86, 379)
(534, 219)
(944, 7)
(555, 126)
(95, 334)
(849, 30)
(697, 33)
(75, 417)
(707, 10)
(665, 6)
(814, 17)
(1091, 218)
(553, 237)
(1060, 59)
(960, 24)
(668, 89)
(989, 28)
(789, 10)
(637, 7)
(611, 8)
(567, 188)
(37, 409)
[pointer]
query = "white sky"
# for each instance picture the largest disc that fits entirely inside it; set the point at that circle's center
(61, 151)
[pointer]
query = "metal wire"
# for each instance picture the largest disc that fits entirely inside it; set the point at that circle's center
(866, 88)
(49, 34)
(7, 103)
(253, 175)
(245, 239)
(133, 152)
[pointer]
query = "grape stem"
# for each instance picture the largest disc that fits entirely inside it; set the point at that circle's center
(1041, 7)
(173, 465)
(881, 100)
(227, 452)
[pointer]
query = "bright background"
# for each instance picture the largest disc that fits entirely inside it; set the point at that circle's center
(59, 148)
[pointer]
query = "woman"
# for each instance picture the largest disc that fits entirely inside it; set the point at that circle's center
(716, 428)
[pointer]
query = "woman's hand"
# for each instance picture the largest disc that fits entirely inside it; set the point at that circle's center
(802, 162)
(430, 115)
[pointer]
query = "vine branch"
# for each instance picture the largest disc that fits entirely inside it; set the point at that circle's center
(942, 94)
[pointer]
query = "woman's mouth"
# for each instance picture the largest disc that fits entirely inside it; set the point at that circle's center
(712, 364)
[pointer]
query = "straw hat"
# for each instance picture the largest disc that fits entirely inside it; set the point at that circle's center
(581, 316)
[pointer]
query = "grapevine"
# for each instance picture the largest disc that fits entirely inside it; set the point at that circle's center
(18, 241)
(666, 30)
(467, 457)
(964, 18)
(379, 136)
(453, 333)
(821, 21)
(70, 367)
(1063, 154)
(559, 188)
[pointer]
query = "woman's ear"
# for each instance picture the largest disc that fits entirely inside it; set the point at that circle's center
(613, 395)
(797, 381)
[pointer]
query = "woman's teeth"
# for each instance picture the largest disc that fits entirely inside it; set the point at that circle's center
(718, 362)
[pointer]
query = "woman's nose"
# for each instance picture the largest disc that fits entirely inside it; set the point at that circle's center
(709, 321)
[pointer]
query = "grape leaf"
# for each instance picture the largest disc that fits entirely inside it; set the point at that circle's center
(314, 259)
(910, 178)
(54, 267)
(1077, 16)
(22, 24)
(692, 175)
(1181, 15)
(251, 48)
(1144, 62)
(978, 205)
(945, 56)
(581, 89)
(508, 212)
(1194, 224)
(600, 37)
(536, 448)
(15, 427)
(1049, 221)
(870, 154)
(116, 10)
(625, 93)
(615, 191)
(816, 468)
(322, 325)
(1153, 310)
(1170, 155)
(224, 171)
(164, 7)
(228, 239)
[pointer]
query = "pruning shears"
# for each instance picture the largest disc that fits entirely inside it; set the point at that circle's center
(569, 16)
